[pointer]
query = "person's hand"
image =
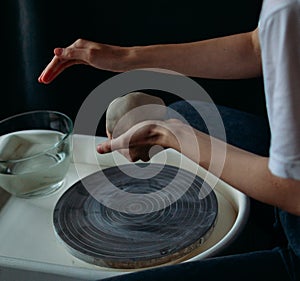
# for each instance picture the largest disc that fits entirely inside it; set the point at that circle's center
(101, 56)
(145, 139)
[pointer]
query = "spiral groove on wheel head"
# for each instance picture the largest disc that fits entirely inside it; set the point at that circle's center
(104, 236)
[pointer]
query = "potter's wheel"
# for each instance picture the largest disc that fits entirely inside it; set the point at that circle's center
(103, 236)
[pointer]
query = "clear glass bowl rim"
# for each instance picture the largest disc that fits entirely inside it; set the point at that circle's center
(66, 135)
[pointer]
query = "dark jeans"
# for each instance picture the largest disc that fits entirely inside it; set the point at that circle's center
(262, 251)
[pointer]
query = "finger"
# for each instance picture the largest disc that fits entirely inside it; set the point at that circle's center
(138, 135)
(111, 145)
(50, 76)
(104, 147)
(52, 66)
(40, 77)
(51, 72)
(64, 58)
(107, 148)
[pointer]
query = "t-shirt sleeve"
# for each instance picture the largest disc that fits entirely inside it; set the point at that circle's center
(280, 44)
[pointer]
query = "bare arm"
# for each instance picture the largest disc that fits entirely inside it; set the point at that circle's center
(229, 57)
(250, 174)
(245, 171)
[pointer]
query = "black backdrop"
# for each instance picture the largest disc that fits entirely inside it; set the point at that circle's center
(32, 28)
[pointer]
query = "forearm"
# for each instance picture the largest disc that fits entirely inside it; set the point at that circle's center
(230, 57)
(250, 174)
(245, 171)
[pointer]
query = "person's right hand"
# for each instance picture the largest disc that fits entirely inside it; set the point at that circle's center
(137, 142)
(102, 56)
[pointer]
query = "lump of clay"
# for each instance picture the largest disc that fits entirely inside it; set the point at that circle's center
(126, 111)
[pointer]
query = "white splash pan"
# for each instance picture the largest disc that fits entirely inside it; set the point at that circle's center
(29, 249)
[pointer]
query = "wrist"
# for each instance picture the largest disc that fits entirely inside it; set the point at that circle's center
(168, 133)
(138, 57)
(132, 58)
(186, 140)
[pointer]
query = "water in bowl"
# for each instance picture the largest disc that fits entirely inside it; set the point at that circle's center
(33, 162)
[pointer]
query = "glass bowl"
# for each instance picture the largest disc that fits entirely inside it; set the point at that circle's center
(35, 152)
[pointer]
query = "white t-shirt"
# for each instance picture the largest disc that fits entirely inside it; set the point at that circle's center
(279, 33)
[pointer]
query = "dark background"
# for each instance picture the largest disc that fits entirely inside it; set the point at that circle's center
(31, 29)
